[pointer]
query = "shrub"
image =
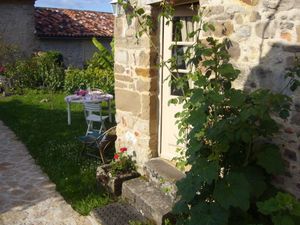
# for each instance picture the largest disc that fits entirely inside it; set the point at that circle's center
(98, 73)
(89, 78)
(44, 70)
(50, 70)
(8, 53)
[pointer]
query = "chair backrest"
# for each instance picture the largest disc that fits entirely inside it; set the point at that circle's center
(92, 108)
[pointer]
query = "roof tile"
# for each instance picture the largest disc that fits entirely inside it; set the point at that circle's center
(52, 22)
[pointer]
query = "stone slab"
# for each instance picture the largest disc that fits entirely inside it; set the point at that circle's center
(163, 175)
(148, 199)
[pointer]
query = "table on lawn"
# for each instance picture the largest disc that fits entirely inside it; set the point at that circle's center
(92, 97)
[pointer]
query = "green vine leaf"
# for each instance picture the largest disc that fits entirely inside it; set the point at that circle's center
(196, 178)
(208, 214)
(227, 71)
(270, 159)
(233, 191)
(283, 220)
(237, 98)
(256, 180)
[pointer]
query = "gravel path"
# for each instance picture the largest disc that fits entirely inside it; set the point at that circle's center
(27, 196)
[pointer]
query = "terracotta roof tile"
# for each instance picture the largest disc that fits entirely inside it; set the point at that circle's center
(52, 22)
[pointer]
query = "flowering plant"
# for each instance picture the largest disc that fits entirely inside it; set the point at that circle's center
(81, 92)
(122, 163)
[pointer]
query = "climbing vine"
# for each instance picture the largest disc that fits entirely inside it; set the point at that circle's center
(227, 134)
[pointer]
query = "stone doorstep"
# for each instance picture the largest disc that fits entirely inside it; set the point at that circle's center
(147, 199)
(163, 175)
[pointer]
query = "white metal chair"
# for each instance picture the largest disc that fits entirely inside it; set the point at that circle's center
(93, 113)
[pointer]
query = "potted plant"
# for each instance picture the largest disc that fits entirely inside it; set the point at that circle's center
(121, 168)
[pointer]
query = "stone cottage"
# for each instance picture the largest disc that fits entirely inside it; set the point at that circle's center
(265, 36)
(71, 31)
(43, 29)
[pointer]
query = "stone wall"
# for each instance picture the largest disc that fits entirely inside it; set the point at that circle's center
(17, 24)
(265, 37)
(136, 78)
(75, 51)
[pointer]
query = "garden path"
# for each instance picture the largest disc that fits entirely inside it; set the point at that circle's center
(27, 196)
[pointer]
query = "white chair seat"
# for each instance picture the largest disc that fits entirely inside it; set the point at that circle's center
(96, 118)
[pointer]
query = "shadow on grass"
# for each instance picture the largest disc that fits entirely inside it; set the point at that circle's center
(42, 127)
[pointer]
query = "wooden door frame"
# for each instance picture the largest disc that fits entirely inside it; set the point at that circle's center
(179, 12)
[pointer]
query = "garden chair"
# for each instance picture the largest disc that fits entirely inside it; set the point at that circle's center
(93, 113)
(100, 142)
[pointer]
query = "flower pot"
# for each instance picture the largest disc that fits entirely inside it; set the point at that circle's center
(113, 183)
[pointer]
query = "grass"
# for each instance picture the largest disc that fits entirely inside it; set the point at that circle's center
(39, 119)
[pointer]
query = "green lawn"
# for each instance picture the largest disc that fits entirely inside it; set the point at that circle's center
(39, 119)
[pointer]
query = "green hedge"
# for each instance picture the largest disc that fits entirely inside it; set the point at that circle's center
(89, 78)
(44, 70)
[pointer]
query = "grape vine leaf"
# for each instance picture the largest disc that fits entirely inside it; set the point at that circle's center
(283, 219)
(256, 180)
(270, 159)
(233, 190)
(203, 173)
(208, 214)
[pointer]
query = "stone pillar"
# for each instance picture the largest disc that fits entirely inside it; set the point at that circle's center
(136, 89)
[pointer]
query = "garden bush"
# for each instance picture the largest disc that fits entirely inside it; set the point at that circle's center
(89, 78)
(97, 74)
(43, 70)
(9, 53)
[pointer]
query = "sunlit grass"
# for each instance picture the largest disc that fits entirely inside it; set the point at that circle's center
(39, 119)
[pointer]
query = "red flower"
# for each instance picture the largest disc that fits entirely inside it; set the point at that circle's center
(123, 149)
(116, 156)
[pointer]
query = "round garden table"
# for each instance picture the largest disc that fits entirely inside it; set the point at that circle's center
(91, 97)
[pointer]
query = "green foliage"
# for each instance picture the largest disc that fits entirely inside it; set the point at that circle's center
(284, 209)
(89, 78)
(104, 58)
(294, 74)
(99, 72)
(44, 70)
(229, 128)
(8, 53)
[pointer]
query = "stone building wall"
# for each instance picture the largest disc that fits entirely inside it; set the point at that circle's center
(136, 92)
(75, 51)
(265, 37)
(17, 24)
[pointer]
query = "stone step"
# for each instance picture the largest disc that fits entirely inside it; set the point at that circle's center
(147, 199)
(163, 175)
